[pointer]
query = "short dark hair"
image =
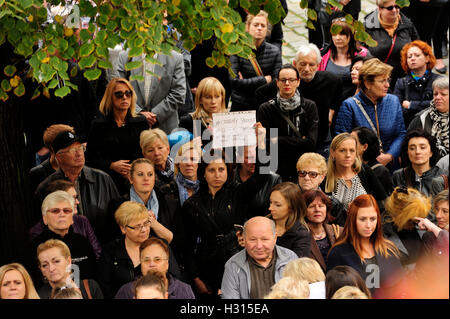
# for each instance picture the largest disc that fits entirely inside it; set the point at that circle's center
(341, 276)
(311, 195)
(288, 66)
(406, 162)
(368, 136)
(214, 154)
(58, 185)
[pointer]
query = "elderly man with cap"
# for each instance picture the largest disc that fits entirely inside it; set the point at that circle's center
(251, 273)
(95, 188)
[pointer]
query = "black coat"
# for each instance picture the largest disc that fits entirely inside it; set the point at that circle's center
(406, 177)
(205, 256)
(115, 268)
(419, 93)
(406, 32)
(290, 146)
(108, 143)
(383, 174)
(297, 239)
(243, 90)
(390, 268)
(97, 189)
(46, 291)
(39, 173)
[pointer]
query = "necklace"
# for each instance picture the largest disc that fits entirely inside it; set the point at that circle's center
(320, 236)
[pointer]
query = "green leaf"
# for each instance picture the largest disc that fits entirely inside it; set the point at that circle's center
(5, 85)
(92, 74)
(336, 3)
(87, 49)
(137, 77)
(207, 34)
(106, 9)
(233, 49)
(245, 4)
(87, 62)
(402, 3)
(310, 25)
(20, 90)
(335, 29)
(62, 91)
(36, 93)
(53, 83)
(312, 14)
(73, 72)
(126, 24)
(3, 96)
(103, 20)
(101, 36)
(210, 62)
(9, 70)
(133, 65)
(104, 64)
(136, 52)
(111, 26)
(63, 45)
(102, 52)
(303, 4)
(26, 3)
(85, 35)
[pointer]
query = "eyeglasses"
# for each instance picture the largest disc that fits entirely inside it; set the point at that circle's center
(311, 174)
(288, 80)
(73, 150)
(388, 80)
(390, 8)
(139, 227)
(156, 260)
(58, 210)
(120, 94)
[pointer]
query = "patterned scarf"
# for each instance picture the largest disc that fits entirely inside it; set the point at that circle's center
(152, 203)
(183, 185)
(289, 104)
(169, 172)
(439, 129)
(416, 77)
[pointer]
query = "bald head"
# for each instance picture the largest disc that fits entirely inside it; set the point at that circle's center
(259, 222)
(260, 239)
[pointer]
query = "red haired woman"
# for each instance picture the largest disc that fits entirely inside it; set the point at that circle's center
(363, 247)
(414, 91)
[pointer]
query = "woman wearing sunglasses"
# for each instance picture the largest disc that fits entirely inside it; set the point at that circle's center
(392, 30)
(113, 141)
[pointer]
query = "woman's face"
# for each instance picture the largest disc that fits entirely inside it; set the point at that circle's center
(154, 257)
(211, 102)
(143, 178)
(123, 103)
(416, 60)
(54, 266)
(279, 207)
(158, 153)
(189, 164)
(355, 72)
(306, 181)
(345, 153)
(13, 285)
(440, 97)
(258, 28)
(419, 151)
(316, 211)
(137, 230)
(287, 83)
(216, 174)
(366, 221)
(379, 87)
(340, 40)
(389, 15)
(441, 211)
(59, 217)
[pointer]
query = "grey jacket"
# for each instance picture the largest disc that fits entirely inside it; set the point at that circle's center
(167, 91)
(236, 278)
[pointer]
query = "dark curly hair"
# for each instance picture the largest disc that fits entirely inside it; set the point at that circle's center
(418, 133)
(368, 136)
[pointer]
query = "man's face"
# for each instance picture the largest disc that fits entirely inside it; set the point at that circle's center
(307, 66)
(260, 240)
(71, 156)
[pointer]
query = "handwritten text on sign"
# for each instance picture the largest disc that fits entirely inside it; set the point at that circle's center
(234, 129)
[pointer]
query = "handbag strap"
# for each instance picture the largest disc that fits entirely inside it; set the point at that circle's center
(392, 47)
(86, 287)
(376, 130)
(256, 66)
(291, 125)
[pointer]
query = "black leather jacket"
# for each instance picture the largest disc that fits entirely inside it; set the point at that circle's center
(97, 189)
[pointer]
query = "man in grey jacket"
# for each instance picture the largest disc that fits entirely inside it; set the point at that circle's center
(251, 273)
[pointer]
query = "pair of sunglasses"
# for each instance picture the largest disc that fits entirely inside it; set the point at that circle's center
(120, 94)
(390, 8)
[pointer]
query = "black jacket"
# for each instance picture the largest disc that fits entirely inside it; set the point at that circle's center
(97, 189)
(115, 268)
(96, 293)
(297, 239)
(39, 173)
(406, 177)
(290, 146)
(383, 174)
(108, 143)
(243, 90)
(406, 32)
(419, 93)
(210, 238)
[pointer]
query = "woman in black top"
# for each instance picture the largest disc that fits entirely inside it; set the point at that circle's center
(113, 141)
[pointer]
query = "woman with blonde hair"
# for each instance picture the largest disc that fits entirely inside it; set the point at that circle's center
(363, 247)
(307, 269)
(349, 292)
(113, 141)
(55, 263)
(373, 107)
(289, 288)
(16, 283)
(209, 99)
(347, 177)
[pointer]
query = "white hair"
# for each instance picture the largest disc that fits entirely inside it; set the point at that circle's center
(307, 49)
(55, 198)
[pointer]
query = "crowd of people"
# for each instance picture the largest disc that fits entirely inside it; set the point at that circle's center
(132, 202)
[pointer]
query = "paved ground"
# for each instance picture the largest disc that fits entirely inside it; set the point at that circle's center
(296, 33)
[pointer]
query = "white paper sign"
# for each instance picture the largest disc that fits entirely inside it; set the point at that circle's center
(234, 129)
